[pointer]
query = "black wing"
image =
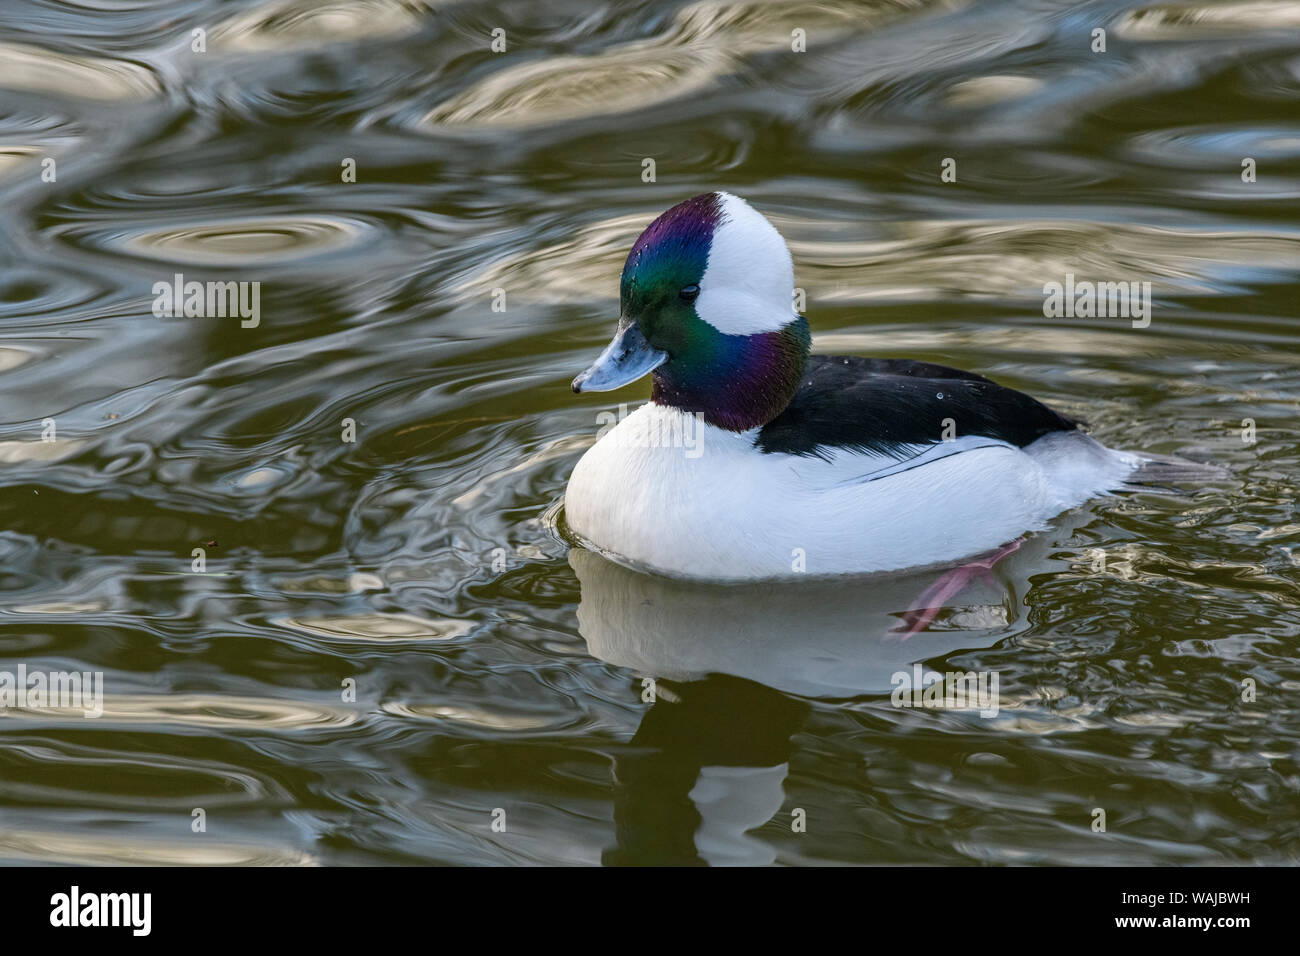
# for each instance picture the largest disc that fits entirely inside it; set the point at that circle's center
(882, 405)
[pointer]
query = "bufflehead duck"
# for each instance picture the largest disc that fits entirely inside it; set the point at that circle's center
(755, 459)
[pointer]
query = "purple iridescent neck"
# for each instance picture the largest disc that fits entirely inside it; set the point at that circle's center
(735, 382)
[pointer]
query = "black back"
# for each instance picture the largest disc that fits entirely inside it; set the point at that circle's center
(877, 405)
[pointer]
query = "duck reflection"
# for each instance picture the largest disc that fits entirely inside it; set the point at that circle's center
(827, 638)
(707, 765)
(734, 668)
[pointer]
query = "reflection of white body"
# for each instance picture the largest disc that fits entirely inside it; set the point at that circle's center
(732, 801)
(728, 512)
(826, 638)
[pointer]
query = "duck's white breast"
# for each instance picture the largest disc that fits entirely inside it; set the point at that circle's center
(665, 491)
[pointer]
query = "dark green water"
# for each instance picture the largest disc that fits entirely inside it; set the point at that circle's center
(493, 670)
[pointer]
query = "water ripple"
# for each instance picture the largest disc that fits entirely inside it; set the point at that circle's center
(251, 241)
(41, 70)
(102, 850)
(217, 712)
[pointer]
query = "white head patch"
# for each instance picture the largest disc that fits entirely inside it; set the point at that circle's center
(748, 283)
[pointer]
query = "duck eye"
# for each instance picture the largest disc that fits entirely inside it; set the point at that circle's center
(689, 293)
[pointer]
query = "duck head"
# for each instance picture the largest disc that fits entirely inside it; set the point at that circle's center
(706, 310)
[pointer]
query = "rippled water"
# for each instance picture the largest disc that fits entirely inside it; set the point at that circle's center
(499, 676)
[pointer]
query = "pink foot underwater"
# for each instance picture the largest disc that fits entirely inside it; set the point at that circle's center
(948, 585)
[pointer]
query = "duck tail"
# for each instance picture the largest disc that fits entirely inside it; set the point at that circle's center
(1158, 472)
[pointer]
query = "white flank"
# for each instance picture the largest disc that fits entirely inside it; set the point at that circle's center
(734, 513)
